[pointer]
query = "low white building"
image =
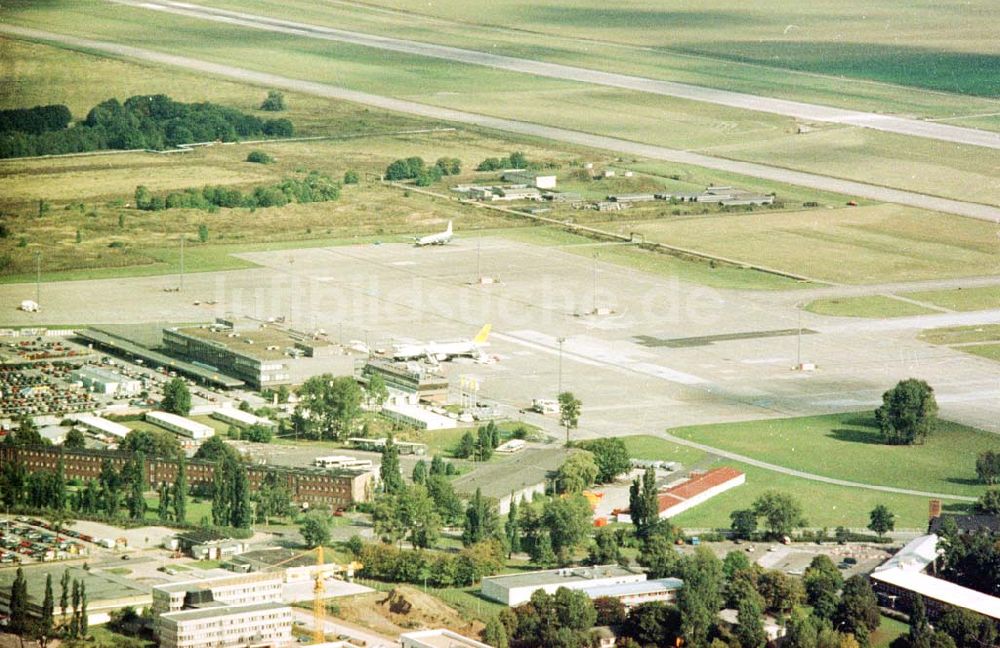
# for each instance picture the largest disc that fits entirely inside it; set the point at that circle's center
(529, 178)
(342, 461)
(697, 489)
(440, 638)
(904, 574)
(239, 418)
(101, 425)
(102, 381)
(515, 589)
(237, 626)
(181, 425)
(632, 594)
(417, 417)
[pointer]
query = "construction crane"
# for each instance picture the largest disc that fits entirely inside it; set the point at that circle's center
(321, 573)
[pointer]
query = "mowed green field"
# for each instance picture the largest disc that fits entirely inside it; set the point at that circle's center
(901, 162)
(825, 505)
(869, 306)
(847, 446)
(882, 242)
(817, 52)
(961, 299)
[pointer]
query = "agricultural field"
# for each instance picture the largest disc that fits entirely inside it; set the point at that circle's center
(883, 242)
(899, 162)
(946, 463)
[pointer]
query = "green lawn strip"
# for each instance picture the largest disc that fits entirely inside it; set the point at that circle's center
(961, 299)
(197, 258)
(846, 446)
(989, 351)
(701, 272)
(467, 601)
(196, 510)
(101, 635)
(867, 306)
(962, 334)
(886, 632)
(824, 505)
(220, 427)
(656, 449)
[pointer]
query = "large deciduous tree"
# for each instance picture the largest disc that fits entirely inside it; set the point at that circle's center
(908, 413)
(176, 397)
(781, 512)
(328, 406)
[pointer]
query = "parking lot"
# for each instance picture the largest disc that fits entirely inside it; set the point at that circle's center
(27, 540)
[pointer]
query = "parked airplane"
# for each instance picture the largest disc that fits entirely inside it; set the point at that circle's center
(441, 351)
(435, 239)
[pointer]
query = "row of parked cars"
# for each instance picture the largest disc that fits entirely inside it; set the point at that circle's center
(18, 540)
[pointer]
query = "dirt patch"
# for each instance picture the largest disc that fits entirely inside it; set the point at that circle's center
(404, 609)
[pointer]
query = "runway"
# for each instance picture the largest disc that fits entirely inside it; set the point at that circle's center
(796, 109)
(799, 178)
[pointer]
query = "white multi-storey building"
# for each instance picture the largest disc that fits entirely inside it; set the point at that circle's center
(259, 625)
(239, 589)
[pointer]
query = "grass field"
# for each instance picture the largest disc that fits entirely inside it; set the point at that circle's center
(962, 299)
(847, 446)
(196, 510)
(870, 306)
(825, 505)
(816, 58)
(962, 334)
(883, 242)
(988, 351)
(858, 154)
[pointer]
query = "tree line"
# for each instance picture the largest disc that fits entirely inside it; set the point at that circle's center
(39, 119)
(314, 187)
(74, 623)
(142, 122)
(423, 174)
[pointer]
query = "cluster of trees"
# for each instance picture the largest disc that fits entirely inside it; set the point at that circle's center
(328, 407)
(988, 467)
(314, 187)
(479, 446)
(416, 513)
(989, 502)
(423, 174)
(389, 563)
(781, 514)
(563, 619)
(142, 122)
(549, 529)
(259, 157)
(275, 101)
(231, 495)
(176, 395)
(908, 413)
(39, 119)
(971, 559)
(45, 628)
(515, 160)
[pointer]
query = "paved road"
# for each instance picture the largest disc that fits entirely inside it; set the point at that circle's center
(810, 476)
(796, 109)
(338, 627)
(810, 180)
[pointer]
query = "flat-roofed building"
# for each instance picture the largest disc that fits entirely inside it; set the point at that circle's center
(101, 425)
(333, 488)
(106, 592)
(408, 377)
(417, 417)
(258, 625)
(262, 354)
(103, 381)
(896, 580)
(181, 425)
(440, 638)
(698, 488)
(632, 594)
(240, 589)
(530, 178)
(241, 419)
(515, 589)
